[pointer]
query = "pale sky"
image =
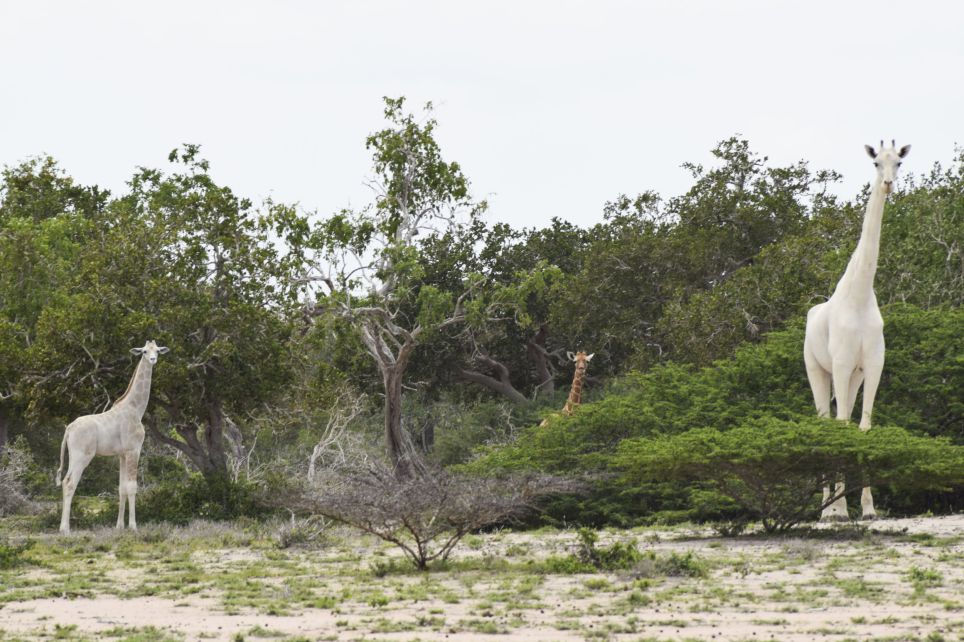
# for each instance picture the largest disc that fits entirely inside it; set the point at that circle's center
(552, 108)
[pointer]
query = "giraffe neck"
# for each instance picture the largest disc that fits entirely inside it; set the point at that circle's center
(575, 394)
(139, 389)
(858, 281)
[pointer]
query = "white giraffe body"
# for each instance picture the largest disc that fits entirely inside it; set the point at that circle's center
(118, 431)
(844, 344)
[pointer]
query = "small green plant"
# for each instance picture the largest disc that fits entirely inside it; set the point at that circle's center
(12, 555)
(924, 578)
(687, 565)
(619, 555)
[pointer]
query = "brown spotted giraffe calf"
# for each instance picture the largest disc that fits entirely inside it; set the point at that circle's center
(115, 432)
(575, 393)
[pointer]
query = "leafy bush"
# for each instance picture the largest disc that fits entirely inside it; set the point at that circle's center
(775, 469)
(624, 556)
(12, 555)
(618, 555)
(180, 500)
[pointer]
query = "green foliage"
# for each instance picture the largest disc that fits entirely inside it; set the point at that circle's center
(651, 257)
(182, 260)
(624, 556)
(616, 556)
(12, 555)
(921, 262)
(774, 469)
(762, 379)
(199, 497)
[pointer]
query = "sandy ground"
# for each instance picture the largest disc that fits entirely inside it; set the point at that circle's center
(788, 589)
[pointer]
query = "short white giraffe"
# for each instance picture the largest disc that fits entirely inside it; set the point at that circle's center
(116, 432)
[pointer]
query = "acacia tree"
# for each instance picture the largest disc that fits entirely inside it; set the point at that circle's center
(370, 260)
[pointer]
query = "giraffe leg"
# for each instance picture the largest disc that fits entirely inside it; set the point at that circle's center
(856, 379)
(121, 490)
(843, 376)
(78, 462)
(872, 372)
(820, 387)
(132, 459)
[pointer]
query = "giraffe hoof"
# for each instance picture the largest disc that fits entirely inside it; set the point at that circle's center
(834, 519)
(871, 517)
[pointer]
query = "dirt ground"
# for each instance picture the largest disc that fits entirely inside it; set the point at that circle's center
(898, 579)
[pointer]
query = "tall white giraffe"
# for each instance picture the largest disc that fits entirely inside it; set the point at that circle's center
(116, 432)
(844, 342)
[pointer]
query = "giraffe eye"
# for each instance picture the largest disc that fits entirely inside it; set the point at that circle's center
(876, 164)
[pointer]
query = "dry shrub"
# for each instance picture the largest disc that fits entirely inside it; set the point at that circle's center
(425, 513)
(14, 466)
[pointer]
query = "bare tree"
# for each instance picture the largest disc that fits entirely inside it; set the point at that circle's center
(426, 514)
(331, 445)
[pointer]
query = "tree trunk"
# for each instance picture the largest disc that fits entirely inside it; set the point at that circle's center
(546, 383)
(4, 428)
(394, 437)
(214, 440)
(208, 457)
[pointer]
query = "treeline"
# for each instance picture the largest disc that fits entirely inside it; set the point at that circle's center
(413, 323)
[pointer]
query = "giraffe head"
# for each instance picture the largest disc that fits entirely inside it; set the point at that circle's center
(887, 160)
(150, 351)
(582, 360)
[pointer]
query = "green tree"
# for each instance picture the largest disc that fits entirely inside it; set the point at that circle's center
(921, 262)
(371, 263)
(651, 257)
(185, 261)
(45, 221)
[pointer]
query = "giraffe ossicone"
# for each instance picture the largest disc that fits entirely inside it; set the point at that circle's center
(118, 431)
(844, 343)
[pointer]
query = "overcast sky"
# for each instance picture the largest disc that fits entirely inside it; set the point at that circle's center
(552, 108)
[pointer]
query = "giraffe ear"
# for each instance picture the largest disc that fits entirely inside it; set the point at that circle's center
(870, 151)
(570, 356)
(904, 151)
(590, 356)
(163, 350)
(137, 350)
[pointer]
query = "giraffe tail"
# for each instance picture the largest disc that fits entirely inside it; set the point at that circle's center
(63, 444)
